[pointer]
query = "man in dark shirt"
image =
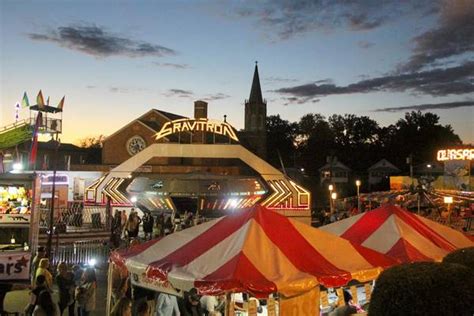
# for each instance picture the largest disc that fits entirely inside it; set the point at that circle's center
(190, 305)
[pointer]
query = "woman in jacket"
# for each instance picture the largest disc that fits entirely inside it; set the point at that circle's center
(43, 270)
(86, 292)
(66, 285)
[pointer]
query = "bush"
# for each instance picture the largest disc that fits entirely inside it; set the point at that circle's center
(424, 288)
(464, 256)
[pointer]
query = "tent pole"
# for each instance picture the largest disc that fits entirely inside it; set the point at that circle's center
(109, 287)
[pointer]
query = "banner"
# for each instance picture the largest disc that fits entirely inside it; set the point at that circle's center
(354, 294)
(368, 291)
(155, 285)
(15, 266)
(271, 307)
(15, 219)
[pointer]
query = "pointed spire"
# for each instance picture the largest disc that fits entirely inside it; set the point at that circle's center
(256, 91)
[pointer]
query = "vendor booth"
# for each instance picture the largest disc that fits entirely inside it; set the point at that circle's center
(400, 234)
(255, 251)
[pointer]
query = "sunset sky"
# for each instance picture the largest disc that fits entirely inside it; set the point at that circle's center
(115, 60)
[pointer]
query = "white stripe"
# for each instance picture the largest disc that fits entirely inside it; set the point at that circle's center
(340, 227)
(453, 236)
(139, 263)
(184, 277)
(385, 237)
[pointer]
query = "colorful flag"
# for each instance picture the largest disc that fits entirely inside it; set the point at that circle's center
(25, 102)
(61, 103)
(40, 100)
(34, 143)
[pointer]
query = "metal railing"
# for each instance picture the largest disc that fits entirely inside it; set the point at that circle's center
(82, 252)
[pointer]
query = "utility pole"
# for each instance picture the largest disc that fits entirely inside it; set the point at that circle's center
(53, 192)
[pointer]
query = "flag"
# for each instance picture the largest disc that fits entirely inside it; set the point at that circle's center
(40, 100)
(25, 102)
(34, 143)
(61, 103)
(47, 101)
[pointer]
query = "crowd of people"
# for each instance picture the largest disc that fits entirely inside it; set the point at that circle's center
(125, 229)
(76, 288)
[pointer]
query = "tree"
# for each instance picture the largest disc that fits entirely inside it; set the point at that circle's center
(280, 141)
(92, 141)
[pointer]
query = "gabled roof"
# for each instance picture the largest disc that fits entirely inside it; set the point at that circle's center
(335, 165)
(383, 164)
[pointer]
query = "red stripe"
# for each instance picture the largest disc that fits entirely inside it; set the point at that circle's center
(237, 275)
(405, 252)
(118, 257)
(414, 222)
(367, 225)
(298, 250)
(375, 258)
(199, 245)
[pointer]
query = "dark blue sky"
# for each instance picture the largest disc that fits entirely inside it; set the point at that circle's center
(114, 60)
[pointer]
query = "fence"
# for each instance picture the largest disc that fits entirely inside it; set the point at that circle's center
(76, 218)
(82, 252)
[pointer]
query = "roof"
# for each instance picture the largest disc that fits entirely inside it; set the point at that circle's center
(334, 166)
(46, 108)
(400, 234)
(383, 164)
(245, 251)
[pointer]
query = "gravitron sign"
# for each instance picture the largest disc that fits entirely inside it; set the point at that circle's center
(455, 154)
(197, 125)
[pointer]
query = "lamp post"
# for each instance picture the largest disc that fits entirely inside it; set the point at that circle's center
(358, 183)
(448, 200)
(330, 187)
(333, 198)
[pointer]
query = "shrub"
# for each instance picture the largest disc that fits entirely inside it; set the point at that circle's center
(424, 288)
(464, 256)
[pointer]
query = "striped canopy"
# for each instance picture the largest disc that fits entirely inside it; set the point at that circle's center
(256, 251)
(400, 234)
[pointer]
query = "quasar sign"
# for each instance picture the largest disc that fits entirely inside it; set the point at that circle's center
(455, 154)
(197, 125)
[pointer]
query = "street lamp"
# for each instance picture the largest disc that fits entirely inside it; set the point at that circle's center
(358, 183)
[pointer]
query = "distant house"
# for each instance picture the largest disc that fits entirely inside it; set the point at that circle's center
(381, 170)
(335, 172)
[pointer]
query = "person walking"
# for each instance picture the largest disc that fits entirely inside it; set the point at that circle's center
(40, 286)
(133, 225)
(166, 305)
(66, 285)
(86, 292)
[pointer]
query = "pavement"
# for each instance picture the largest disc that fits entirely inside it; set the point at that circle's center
(16, 301)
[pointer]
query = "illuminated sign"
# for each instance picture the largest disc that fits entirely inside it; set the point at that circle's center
(197, 125)
(58, 179)
(456, 154)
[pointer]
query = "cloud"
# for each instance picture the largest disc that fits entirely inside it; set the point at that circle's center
(278, 80)
(296, 100)
(179, 93)
(453, 36)
(436, 82)
(365, 44)
(96, 41)
(91, 87)
(217, 96)
(429, 106)
(171, 65)
(286, 18)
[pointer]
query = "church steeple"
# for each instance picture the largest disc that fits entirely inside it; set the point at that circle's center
(256, 91)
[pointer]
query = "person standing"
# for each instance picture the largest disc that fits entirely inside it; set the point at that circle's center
(40, 254)
(86, 292)
(166, 305)
(148, 222)
(116, 230)
(66, 285)
(45, 306)
(43, 270)
(133, 224)
(40, 286)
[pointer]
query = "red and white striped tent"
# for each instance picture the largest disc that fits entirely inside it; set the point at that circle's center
(400, 234)
(256, 251)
